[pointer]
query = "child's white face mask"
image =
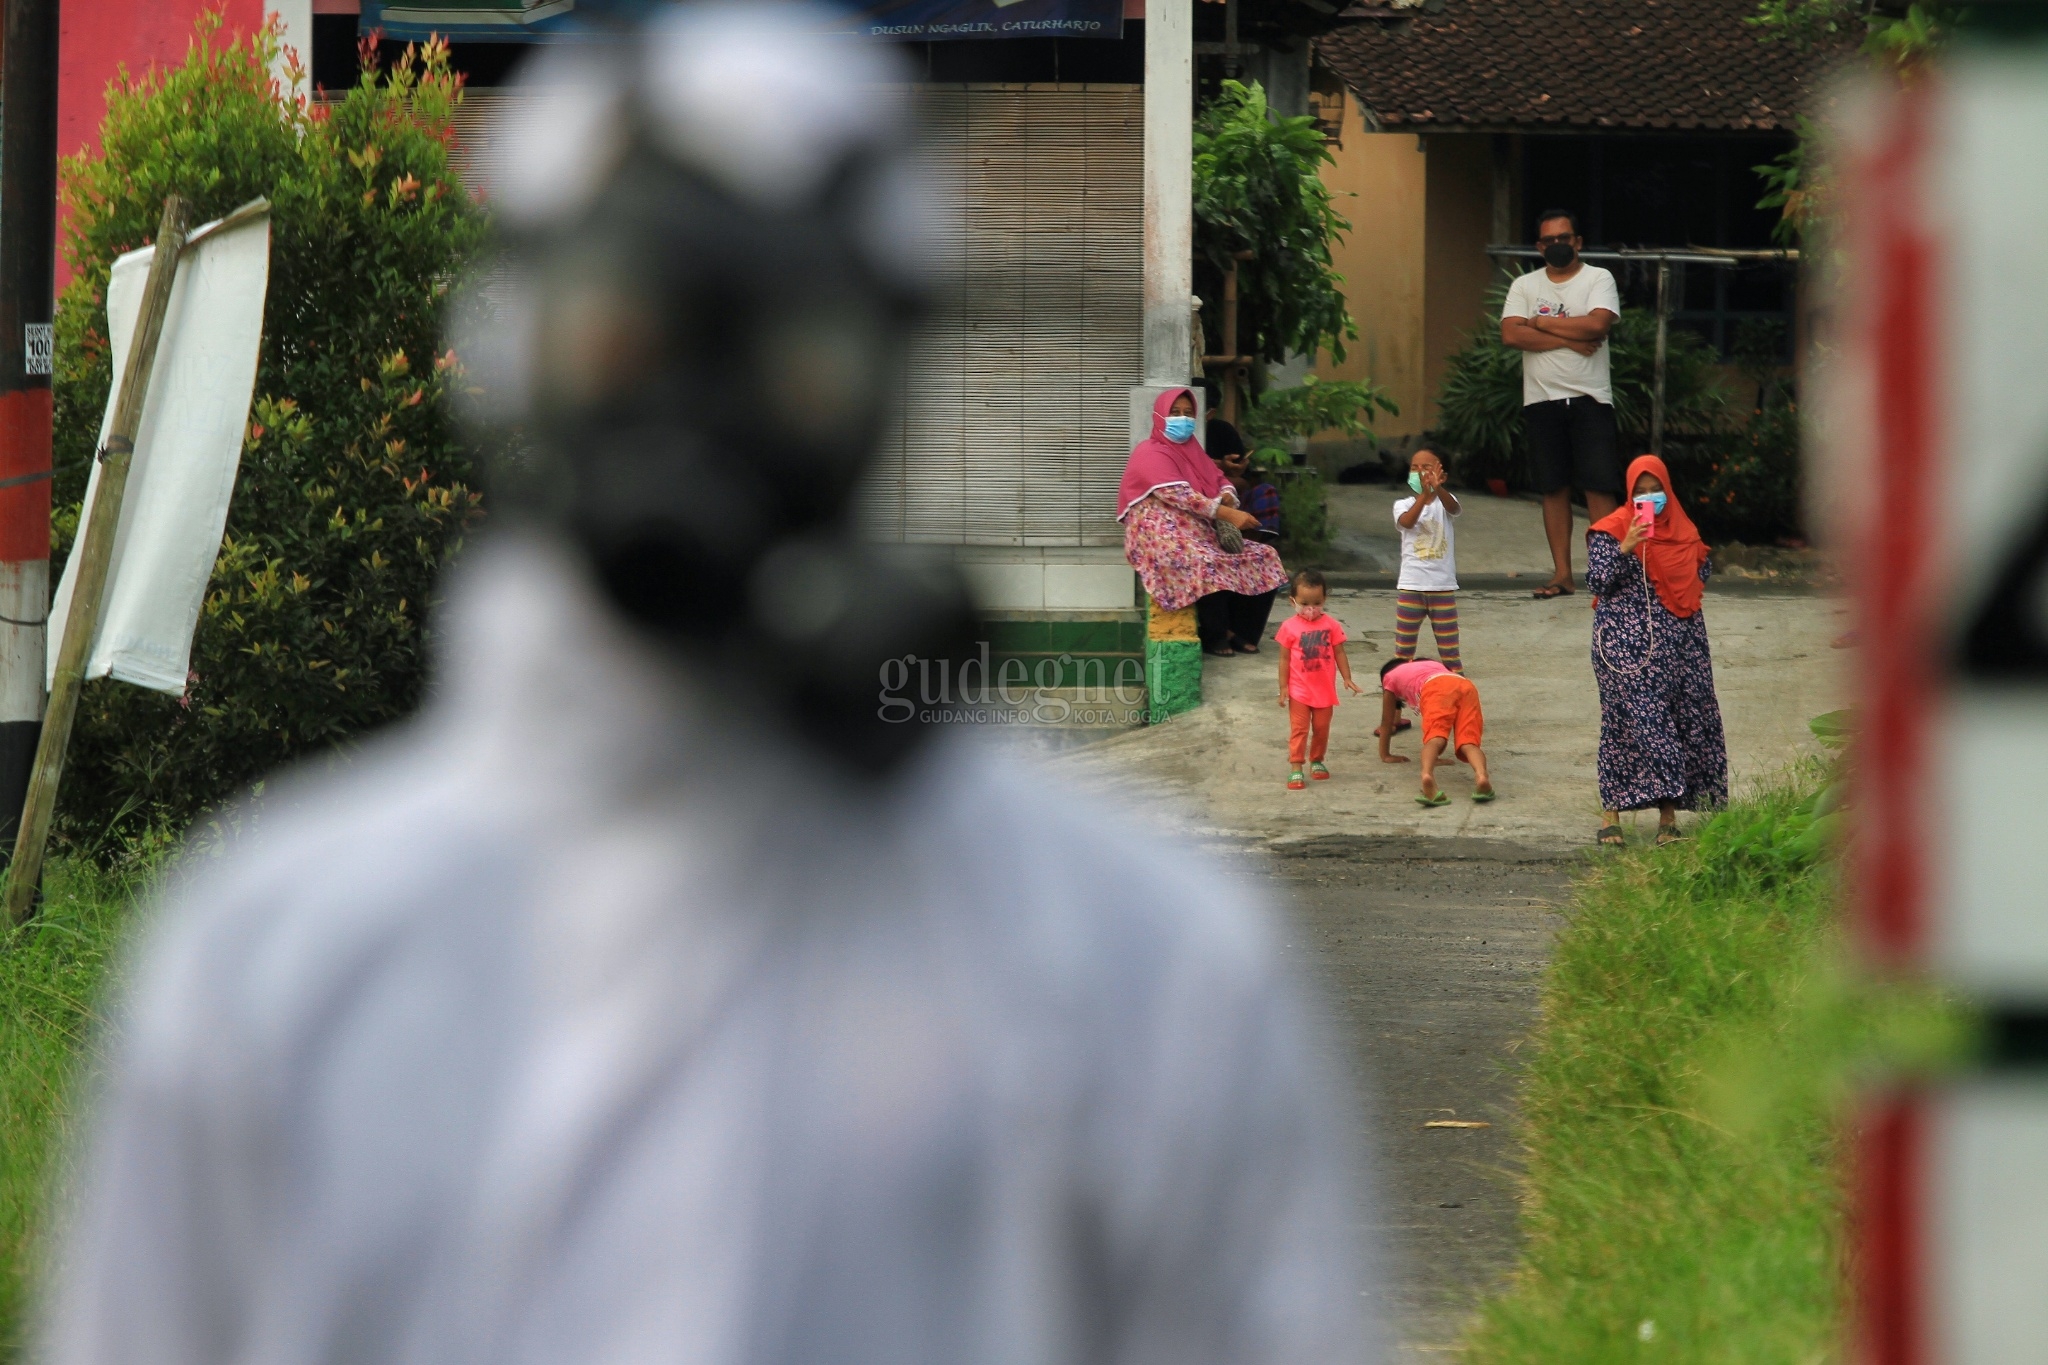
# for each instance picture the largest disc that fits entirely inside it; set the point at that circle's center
(1308, 611)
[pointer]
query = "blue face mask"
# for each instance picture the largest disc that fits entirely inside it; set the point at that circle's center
(1179, 429)
(1655, 501)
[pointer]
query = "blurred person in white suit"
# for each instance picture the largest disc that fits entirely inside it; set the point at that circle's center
(653, 997)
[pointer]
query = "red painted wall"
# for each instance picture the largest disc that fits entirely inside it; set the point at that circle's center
(101, 36)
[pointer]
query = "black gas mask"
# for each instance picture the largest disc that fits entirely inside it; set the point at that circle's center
(716, 245)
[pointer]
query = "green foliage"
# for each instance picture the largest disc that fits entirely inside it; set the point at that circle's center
(1742, 483)
(1480, 403)
(1699, 1040)
(52, 977)
(1258, 188)
(1896, 37)
(1794, 187)
(1315, 405)
(1304, 516)
(354, 487)
(1897, 34)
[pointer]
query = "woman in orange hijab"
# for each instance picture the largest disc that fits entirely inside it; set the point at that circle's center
(1661, 742)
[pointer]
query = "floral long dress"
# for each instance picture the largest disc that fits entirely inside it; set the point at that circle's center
(1170, 539)
(1660, 723)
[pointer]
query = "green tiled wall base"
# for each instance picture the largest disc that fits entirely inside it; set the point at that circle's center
(1173, 676)
(1107, 635)
(1098, 671)
(1099, 656)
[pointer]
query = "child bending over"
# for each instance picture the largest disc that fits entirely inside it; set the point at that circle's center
(1449, 706)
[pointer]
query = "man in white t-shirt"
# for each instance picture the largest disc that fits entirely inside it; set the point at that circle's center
(1558, 318)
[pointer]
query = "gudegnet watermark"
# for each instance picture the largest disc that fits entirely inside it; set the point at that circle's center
(1058, 689)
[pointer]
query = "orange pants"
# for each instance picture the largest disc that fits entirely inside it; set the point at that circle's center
(1451, 703)
(1300, 718)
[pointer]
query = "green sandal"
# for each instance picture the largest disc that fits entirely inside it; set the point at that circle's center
(1440, 799)
(1481, 798)
(1319, 772)
(1294, 782)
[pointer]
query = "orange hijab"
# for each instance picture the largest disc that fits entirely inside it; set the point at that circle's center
(1672, 557)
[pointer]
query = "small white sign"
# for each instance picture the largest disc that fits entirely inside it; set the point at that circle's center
(38, 348)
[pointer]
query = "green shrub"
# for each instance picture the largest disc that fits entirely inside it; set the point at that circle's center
(354, 487)
(1743, 484)
(1304, 517)
(1480, 401)
(1313, 407)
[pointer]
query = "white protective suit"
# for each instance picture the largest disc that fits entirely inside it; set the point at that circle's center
(572, 1026)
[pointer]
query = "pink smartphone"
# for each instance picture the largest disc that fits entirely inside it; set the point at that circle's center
(1646, 519)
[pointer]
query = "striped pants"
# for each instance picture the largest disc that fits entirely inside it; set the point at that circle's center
(1442, 610)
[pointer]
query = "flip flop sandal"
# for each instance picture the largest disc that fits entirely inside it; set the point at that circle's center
(1440, 799)
(1611, 836)
(1481, 798)
(1551, 591)
(1244, 648)
(1294, 782)
(1668, 834)
(1319, 772)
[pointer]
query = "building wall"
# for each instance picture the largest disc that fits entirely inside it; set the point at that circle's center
(1459, 224)
(1380, 180)
(98, 39)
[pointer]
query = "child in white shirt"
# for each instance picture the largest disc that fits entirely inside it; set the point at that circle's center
(1428, 585)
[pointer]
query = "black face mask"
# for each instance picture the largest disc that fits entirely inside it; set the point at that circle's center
(1558, 255)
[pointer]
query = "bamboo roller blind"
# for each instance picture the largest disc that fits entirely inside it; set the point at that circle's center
(1014, 428)
(1014, 424)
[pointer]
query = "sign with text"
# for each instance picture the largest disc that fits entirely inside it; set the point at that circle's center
(954, 20)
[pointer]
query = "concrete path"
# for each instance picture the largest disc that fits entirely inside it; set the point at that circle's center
(1222, 769)
(1430, 953)
(1430, 928)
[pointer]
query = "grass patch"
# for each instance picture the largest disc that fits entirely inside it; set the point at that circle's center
(1700, 1036)
(52, 975)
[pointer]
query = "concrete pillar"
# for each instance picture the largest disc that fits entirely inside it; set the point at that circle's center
(1173, 662)
(1169, 189)
(1173, 658)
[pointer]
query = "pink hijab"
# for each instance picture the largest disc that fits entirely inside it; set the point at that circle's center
(1160, 463)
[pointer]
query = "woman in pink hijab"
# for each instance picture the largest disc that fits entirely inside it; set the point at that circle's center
(1172, 501)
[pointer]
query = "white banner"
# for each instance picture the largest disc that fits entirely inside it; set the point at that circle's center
(188, 450)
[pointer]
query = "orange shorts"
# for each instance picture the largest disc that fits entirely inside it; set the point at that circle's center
(1450, 703)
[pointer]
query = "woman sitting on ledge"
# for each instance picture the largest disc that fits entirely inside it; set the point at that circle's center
(1175, 502)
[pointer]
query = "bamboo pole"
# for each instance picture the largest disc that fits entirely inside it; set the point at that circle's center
(95, 554)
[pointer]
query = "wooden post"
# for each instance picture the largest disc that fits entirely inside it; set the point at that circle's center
(1236, 368)
(1663, 342)
(95, 554)
(1230, 344)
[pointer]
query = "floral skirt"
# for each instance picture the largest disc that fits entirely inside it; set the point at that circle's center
(1177, 556)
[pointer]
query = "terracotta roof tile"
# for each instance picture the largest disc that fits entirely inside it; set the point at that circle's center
(1667, 64)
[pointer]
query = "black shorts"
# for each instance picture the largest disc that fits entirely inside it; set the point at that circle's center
(1573, 443)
